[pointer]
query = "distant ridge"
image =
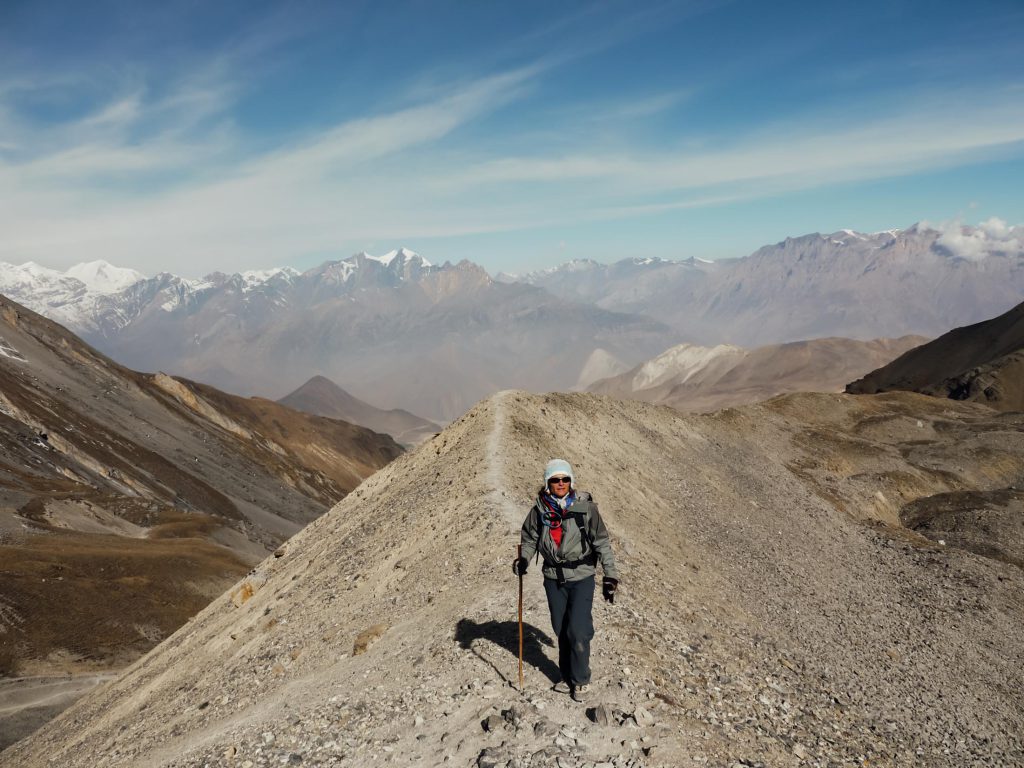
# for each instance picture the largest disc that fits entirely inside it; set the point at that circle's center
(322, 397)
(983, 362)
(694, 378)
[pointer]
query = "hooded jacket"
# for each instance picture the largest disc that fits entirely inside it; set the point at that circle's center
(536, 539)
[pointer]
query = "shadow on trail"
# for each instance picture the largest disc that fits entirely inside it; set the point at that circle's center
(505, 634)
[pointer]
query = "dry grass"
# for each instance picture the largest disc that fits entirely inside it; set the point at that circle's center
(8, 662)
(93, 601)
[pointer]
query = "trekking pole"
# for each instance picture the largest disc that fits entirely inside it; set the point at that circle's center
(519, 554)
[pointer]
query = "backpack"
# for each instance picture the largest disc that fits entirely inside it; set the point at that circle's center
(589, 558)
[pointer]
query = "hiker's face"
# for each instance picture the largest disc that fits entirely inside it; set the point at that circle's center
(559, 486)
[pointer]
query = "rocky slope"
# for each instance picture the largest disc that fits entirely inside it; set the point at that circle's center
(982, 362)
(129, 500)
(773, 611)
(694, 378)
(323, 397)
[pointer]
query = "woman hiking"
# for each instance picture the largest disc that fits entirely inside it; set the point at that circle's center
(566, 530)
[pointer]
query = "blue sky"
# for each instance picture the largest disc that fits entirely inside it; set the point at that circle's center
(189, 136)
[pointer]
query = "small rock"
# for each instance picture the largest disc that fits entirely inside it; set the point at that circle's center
(268, 737)
(643, 717)
(418, 721)
(488, 759)
(492, 723)
(545, 728)
(294, 759)
(230, 752)
(600, 714)
(800, 751)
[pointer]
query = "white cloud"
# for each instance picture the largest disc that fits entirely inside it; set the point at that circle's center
(172, 183)
(977, 243)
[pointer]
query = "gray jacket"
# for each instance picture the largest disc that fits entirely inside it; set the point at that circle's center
(535, 534)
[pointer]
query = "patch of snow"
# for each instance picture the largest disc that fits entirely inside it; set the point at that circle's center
(6, 350)
(254, 278)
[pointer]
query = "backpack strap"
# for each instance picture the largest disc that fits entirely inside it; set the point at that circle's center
(589, 558)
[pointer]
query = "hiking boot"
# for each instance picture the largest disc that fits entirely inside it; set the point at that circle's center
(580, 692)
(561, 687)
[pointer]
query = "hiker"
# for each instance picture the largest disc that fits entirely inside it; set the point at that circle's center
(566, 530)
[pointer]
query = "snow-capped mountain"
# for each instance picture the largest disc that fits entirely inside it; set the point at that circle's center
(367, 322)
(72, 297)
(395, 330)
(102, 277)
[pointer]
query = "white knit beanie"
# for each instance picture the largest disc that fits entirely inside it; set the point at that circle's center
(559, 467)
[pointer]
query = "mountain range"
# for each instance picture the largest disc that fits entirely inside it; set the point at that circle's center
(920, 281)
(365, 322)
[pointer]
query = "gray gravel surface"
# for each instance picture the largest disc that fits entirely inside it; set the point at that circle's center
(772, 611)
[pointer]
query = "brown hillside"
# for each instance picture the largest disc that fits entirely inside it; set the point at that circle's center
(730, 376)
(983, 362)
(129, 500)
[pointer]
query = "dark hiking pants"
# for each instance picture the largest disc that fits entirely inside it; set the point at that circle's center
(570, 606)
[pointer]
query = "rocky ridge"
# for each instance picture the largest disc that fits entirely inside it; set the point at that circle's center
(773, 611)
(983, 362)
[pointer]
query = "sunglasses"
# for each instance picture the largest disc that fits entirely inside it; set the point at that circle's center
(554, 480)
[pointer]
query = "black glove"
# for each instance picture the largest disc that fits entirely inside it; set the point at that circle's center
(608, 588)
(519, 566)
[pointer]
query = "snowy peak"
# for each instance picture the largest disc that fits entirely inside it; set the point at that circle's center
(402, 255)
(102, 277)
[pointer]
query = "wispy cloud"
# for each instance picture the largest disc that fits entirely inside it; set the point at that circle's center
(162, 176)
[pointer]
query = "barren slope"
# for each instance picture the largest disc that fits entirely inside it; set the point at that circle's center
(128, 500)
(982, 362)
(693, 378)
(772, 610)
